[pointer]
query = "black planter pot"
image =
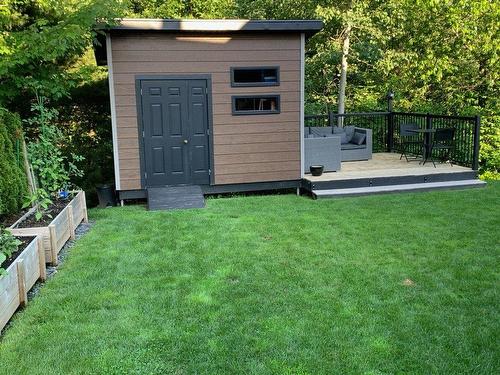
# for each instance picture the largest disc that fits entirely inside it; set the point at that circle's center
(106, 195)
(316, 170)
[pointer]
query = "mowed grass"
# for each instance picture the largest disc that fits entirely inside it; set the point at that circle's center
(403, 283)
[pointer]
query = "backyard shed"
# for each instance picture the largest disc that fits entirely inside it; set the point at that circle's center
(215, 103)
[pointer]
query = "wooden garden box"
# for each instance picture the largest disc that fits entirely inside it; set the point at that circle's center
(60, 230)
(20, 277)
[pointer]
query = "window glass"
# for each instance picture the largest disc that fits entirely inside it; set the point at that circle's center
(256, 104)
(255, 77)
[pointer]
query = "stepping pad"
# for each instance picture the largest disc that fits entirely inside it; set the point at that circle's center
(178, 197)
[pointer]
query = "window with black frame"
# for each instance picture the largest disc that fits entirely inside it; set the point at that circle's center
(256, 105)
(255, 76)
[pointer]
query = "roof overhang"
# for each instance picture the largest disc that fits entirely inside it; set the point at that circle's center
(229, 26)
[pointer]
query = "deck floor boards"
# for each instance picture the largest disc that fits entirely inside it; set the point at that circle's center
(386, 165)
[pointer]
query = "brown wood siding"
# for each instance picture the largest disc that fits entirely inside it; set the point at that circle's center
(250, 148)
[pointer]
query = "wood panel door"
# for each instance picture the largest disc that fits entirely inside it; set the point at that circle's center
(175, 132)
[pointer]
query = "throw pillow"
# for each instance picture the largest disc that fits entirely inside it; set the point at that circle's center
(358, 138)
(349, 131)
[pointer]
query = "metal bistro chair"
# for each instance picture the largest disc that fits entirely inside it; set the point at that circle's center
(408, 138)
(443, 140)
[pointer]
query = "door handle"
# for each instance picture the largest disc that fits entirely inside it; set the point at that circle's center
(185, 141)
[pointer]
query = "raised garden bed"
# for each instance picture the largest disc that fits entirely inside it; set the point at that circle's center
(59, 230)
(25, 268)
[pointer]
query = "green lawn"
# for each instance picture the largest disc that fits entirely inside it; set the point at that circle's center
(403, 283)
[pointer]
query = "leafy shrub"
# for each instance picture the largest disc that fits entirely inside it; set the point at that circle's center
(13, 184)
(490, 148)
(85, 118)
(52, 169)
(8, 245)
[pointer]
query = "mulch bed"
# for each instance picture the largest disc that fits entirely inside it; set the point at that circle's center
(8, 220)
(52, 211)
(25, 242)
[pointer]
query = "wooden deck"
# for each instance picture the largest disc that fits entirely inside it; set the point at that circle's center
(385, 173)
(386, 165)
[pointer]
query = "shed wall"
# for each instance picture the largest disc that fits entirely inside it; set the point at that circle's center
(247, 149)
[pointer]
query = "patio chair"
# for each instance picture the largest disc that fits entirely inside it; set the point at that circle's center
(408, 138)
(444, 142)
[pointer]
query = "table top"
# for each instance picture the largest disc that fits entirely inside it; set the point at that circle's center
(431, 130)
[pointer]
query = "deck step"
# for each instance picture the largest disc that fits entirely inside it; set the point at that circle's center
(330, 193)
(178, 197)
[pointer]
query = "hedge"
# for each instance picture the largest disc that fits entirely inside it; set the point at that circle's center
(13, 183)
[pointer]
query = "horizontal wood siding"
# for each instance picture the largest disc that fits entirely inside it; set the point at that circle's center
(247, 149)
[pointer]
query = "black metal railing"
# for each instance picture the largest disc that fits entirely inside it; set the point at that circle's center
(385, 128)
(316, 120)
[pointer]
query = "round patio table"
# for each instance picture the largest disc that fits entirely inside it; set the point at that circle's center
(426, 143)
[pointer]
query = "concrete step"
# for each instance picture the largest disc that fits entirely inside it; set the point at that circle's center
(332, 193)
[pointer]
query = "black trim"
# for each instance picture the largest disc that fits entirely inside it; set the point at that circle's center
(309, 186)
(140, 125)
(132, 194)
(309, 27)
(255, 84)
(385, 181)
(222, 189)
(251, 186)
(244, 113)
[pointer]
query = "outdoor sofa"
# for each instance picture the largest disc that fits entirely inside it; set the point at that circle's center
(329, 146)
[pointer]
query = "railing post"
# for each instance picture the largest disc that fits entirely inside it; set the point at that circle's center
(475, 156)
(428, 121)
(330, 118)
(390, 131)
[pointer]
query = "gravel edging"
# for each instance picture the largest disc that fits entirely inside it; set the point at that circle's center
(80, 231)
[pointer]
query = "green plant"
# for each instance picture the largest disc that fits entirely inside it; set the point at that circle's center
(52, 168)
(8, 246)
(40, 199)
(13, 185)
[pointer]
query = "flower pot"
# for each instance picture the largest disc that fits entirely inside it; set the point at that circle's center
(106, 195)
(316, 170)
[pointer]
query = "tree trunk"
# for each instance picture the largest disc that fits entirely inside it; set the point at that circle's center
(343, 74)
(27, 168)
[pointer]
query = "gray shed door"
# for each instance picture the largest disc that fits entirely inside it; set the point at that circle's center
(175, 125)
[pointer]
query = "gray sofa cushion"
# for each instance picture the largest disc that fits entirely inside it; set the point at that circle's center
(343, 138)
(321, 131)
(352, 146)
(346, 133)
(358, 138)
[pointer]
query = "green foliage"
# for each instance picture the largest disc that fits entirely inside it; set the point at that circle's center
(85, 120)
(180, 8)
(40, 199)
(8, 245)
(489, 155)
(41, 40)
(13, 184)
(51, 167)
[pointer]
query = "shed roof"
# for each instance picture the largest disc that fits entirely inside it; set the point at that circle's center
(309, 27)
(128, 25)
